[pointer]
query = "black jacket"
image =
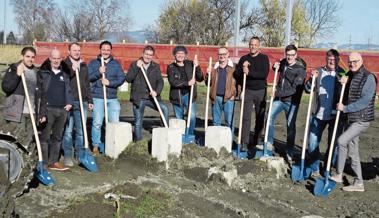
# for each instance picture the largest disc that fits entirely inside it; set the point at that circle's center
(84, 82)
(291, 81)
(139, 88)
(177, 83)
(43, 82)
(15, 95)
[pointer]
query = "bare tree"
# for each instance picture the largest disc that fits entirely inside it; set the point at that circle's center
(322, 16)
(34, 18)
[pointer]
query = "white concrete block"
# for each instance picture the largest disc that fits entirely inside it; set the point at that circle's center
(117, 138)
(166, 141)
(178, 123)
(217, 137)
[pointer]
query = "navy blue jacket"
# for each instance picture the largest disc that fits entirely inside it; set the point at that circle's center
(114, 74)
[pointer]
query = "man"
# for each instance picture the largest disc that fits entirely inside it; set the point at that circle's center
(179, 75)
(74, 62)
(141, 96)
(16, 112)
(360, 109)
(223, 89)
(114, 77)
(288, 95)
(56, 100)
(255, 66)
(326, 96)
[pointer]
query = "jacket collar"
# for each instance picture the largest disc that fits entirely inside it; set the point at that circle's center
(229, 64)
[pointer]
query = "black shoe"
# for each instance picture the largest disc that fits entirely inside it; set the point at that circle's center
(244, 148)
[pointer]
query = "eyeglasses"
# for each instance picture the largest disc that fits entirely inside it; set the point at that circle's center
(222, 54)
(290, 55)
(353, 61)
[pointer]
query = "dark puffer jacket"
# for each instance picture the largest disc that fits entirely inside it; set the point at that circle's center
(139, 89)
(177, 82)
(291, 81)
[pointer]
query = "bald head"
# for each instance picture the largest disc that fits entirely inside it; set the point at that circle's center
(355, 61)
(55, 59)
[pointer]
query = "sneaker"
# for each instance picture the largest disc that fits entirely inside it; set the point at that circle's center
(95, 151)
(67, 161)
(57, 166)
(337, 178)
(316, 174)
(356, 187)
(269, 147)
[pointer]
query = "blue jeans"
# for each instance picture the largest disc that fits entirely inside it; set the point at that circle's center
(317, 127)
(290, 110)
(98, 117)
(228, 108)
(74, 121)
(138, 115)
(179, 112)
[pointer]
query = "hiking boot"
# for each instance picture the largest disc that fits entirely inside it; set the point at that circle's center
(67, 161)
(355, 187)
(95, 151)
(337, 178)
(57, 166)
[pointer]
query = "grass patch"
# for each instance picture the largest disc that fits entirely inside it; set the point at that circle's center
(10, 53)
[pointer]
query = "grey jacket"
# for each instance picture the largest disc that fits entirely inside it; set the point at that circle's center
(15, 95)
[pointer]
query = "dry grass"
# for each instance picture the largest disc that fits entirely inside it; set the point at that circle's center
(10, 53)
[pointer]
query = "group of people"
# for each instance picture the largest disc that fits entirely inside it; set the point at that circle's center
(53, 88)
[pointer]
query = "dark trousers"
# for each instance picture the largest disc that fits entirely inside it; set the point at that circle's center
(51, 136)
(256, 98)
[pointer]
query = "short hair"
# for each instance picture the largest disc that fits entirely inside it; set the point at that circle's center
(149, 48)
(255, 38)
(28, 48)
(105, 43)
(290, 48)
(334, 53)
(73, 43)
(179, 48)
(223, 47)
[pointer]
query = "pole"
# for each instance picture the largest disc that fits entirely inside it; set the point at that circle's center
(288, 22)
(237, 26)
(5, 16)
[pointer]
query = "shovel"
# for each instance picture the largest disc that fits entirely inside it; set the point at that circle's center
(155, 98)
(300, 173)
(189, 138)
(42, 174)
(239, 153)
(266, 152)
(324, 186)
(85, 158)
(207, 97)
(101, 145)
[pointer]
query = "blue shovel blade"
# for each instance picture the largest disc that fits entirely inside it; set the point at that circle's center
(323, 187)
(43, 175)
(238, 153)
(188, 139)
(299, 173)
(261, 153)
(88, 161)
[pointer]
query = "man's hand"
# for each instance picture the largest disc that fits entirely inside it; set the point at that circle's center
(153, 93)
(344, 79)
(191, 82)
(90, 107)
(276, 65)
(245, 67)
(68, 107)
(209, 69)
(314, 73)
(340, 106)
(195, 62)
(139, 63)
(75, 66)
(20, 69)
(105, 81)
(42, 119)
(102, 69)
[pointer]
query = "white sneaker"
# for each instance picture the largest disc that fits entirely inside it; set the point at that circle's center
(337, 178)
(355, 187)
(67, 161)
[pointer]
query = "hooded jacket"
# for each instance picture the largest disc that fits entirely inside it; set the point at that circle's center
(15, 95)
(291, 81)
(114, 74)
(43, 81)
